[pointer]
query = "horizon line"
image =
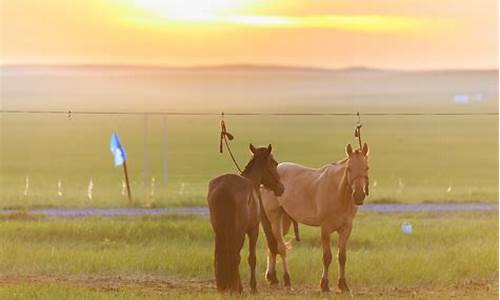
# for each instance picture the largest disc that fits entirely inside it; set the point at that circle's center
(243, 66)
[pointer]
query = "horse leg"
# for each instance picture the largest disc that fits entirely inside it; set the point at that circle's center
(252, 258)
(327, 257)
(286, 276)
(271, 267)
(238, 287)
(344, 234)
(269, 215)
(282, 249)
(286, 222)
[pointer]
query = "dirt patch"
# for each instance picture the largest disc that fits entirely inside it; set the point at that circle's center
(146, 284)
(151, 285)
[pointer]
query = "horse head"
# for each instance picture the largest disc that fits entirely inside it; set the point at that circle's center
(357, 172)
(264, 160)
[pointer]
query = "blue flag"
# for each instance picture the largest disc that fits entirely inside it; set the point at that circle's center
(117, 149)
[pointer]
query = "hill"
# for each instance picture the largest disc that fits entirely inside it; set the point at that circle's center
(243, 88)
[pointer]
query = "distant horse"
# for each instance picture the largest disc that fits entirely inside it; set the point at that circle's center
(234, 204)
(327, 197)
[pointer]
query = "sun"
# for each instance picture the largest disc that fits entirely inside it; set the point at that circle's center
(194, 14)
(192, 10)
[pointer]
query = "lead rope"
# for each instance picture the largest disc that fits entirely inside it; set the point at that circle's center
(225, 136)
(357, 131)
(357, 134)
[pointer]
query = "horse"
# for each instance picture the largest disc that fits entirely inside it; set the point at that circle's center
(234, 206)
(327, 197)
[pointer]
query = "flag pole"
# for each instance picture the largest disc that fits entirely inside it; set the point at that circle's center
(126, 181)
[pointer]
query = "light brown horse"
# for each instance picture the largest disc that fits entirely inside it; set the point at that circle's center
(327, 197)
(234, 205)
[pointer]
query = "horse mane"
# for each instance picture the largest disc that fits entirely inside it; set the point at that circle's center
(249, 165)
(357, 151)
(341, 161)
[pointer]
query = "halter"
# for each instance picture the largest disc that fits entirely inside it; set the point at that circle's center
(351, 180)
(367, 187)
(265, 170)
(276, 180)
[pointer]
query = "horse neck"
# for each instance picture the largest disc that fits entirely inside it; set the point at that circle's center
(251, 173)
(344, 184)
(345, 189)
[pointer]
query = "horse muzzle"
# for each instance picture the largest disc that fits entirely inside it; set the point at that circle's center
(359, 197)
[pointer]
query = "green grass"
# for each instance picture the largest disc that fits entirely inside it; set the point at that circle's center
(412, 159)
(55, 291)
(443, 249)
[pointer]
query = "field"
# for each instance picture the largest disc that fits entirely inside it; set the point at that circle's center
(413, 158)
(58, 160)
(447, 255)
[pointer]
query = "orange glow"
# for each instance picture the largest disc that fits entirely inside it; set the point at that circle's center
(341, 33)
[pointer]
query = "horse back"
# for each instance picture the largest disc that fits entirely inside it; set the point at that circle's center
(229, 185)
(307, 191)
(228, 197)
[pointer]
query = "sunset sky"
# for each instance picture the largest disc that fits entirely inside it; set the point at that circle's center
(398, 34)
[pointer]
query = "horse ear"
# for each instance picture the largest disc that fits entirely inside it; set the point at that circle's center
(252, 149)
(269, 149)
(365, 149)
(348, 150)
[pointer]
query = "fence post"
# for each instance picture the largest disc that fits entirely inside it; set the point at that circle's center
(165, 151)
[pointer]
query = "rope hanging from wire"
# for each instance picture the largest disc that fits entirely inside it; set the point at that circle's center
(357, 131)
(226, 137)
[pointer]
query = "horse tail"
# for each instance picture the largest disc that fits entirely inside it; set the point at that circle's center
(296, 229)
(272, 243)
(227, 256)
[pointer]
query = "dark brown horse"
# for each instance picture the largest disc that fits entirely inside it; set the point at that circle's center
(234, 204)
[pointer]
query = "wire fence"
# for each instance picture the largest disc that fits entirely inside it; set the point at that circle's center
(62, 158)
(175, 113)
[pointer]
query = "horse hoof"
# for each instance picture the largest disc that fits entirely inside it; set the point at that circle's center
(286, 280)
(341, 292)
(324, 285)
(272, 279)
(253, 291)
(342, 287)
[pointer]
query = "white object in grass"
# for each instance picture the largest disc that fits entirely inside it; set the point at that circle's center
(26, 186)
(90, 189)
(124, 187)
(59, 188)
(152, 193)
(181, 191)
(406, 228)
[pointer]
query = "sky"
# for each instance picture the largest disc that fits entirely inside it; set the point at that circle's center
(393, 34)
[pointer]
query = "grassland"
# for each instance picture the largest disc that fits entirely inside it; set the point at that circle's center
(447, 254)
(413, 158)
